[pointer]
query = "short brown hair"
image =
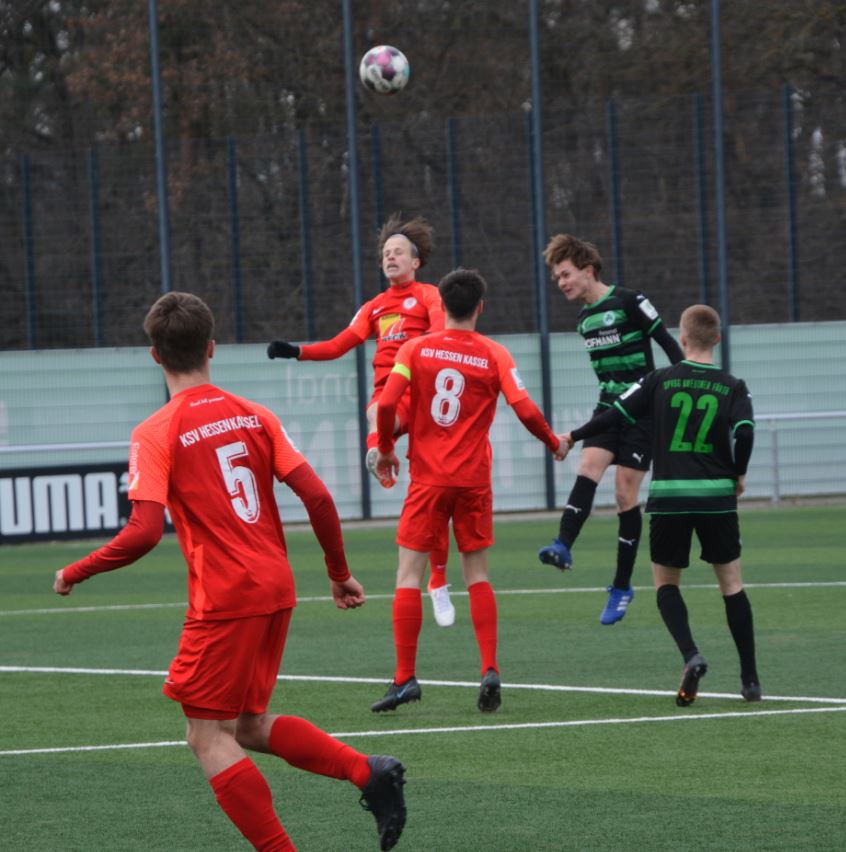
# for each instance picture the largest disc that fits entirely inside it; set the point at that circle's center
(701, 325)
(180, 327)
(461, 291)
(580, 252)
(417, 231)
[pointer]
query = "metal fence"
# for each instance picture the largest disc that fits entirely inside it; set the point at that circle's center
(260, 225)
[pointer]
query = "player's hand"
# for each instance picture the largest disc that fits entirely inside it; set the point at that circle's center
(387, 466)
(564, 447)
(349, 594)
(60, 587)
(282, 349)
(740, 485)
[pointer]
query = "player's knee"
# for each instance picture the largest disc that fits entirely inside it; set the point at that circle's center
(248, 731)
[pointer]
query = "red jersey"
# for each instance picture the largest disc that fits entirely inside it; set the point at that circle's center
(398, 314)
(211, 457)
(456, 377)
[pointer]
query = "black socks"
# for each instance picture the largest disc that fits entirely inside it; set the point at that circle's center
(673, 610)
(576, 512)
(628, 537)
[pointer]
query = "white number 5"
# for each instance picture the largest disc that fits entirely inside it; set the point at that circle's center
(240, 482)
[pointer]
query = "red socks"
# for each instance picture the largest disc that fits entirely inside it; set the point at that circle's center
(483, 614)
(437, 566)
(245, 797)
(307, 747)
(408, 619)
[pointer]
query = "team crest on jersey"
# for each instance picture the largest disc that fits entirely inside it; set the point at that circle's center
(608, 318)
(409, 303)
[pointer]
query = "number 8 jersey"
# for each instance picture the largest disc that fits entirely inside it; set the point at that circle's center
(456, 377)
(696, 409)
(211, 458)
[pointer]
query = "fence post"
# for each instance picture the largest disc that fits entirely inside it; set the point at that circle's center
(775, 499)
(614, 177)
(378, 186)
(96, 244)
(454, 191)
(539, 227)
(29, 254)
(790, 179)
(305, 237)
(720, 186)
(235, 229)
(701, 199)
(355, 228)
(161, 155)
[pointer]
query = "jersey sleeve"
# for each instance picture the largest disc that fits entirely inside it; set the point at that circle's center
(511, 384)
(329, 350)
(643, 313)
(741, 406)
(634, 403)
(149, 461)
(360, 323)
(286, 457)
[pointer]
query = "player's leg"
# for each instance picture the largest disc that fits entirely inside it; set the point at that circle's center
(373, 443)
(417, 535)
(240, 789)
(407, 618)
(304, 745)
(438, 588)
(721, 547)
(669, 545)
(629, 527)
(209, 677)
(473, 527)
(593, 463)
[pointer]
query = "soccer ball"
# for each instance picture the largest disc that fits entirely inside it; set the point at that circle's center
(384, 70)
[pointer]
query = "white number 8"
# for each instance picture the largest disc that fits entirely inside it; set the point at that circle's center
(449, 384)
(240, 482)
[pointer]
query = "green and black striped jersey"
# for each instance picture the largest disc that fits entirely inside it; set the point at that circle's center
(696, 409)
(616, 331)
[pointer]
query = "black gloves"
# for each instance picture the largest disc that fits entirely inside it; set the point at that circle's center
(282, 349)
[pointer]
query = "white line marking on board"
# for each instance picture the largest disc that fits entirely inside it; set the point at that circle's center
(59, 610)
(464, 729)
(463, 684)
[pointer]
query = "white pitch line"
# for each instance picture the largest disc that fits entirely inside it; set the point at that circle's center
(60, 610)
(463, 684)
(464, 729)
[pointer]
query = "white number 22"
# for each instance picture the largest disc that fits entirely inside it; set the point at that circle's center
(240, 482)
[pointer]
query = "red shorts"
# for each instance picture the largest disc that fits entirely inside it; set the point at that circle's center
(225, 668)
(424, 523)
(402, 405)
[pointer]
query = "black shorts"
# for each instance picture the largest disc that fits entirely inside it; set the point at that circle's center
(629, 443)
(670, 538)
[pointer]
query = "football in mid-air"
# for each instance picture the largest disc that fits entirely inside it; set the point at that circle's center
(384, 70)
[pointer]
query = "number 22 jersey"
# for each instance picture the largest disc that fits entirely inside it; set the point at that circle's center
(696, 408)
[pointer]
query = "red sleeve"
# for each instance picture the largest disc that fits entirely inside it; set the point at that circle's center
(329, 350)
(386, 412)
(138, 537)
(532, 418)
(323, 515)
